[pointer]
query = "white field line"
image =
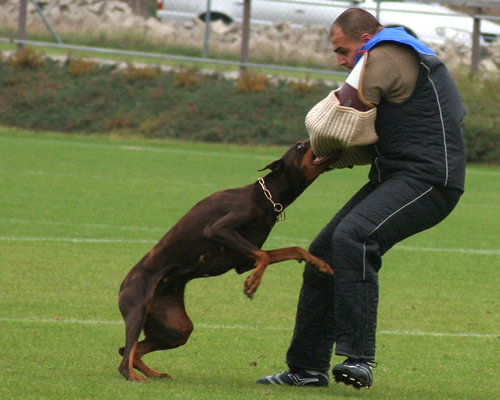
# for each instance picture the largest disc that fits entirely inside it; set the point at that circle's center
(214, 186)
(487, 252)
(495, 252)
(83, 225)
(77, 321)
(117, 146)
(323, 195)
(103, 177)
(74, 240)
(284, 239)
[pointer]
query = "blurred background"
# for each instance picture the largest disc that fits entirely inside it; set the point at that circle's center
(282, 32)
(238, 71)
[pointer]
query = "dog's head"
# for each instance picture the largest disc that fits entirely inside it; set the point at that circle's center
(300, 158)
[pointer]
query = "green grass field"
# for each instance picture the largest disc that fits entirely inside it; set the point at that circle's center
(78, 212)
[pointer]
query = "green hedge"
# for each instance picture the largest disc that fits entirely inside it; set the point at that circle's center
(79, 96)
(481, 95)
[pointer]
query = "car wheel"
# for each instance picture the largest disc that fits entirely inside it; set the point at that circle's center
(216, 17)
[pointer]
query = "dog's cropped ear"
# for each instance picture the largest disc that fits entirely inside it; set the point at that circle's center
(274, 166)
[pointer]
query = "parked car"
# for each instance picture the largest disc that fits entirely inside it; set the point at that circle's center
(430, 22)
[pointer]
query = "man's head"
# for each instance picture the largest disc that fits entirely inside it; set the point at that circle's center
(350, 31)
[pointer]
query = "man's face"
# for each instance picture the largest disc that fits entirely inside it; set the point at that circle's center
(346, 48)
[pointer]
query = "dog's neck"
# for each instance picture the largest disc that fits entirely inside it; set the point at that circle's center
(285, 188)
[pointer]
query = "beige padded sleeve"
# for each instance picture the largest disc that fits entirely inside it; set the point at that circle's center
(332, 126)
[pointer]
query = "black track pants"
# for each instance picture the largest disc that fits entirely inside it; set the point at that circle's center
(343, 309)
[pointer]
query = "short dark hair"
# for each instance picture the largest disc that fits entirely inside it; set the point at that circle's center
(356, 21)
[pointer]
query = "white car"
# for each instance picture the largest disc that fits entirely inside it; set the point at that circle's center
(429, 22)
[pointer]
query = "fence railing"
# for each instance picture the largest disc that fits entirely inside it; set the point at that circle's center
(241, 64)
(213, 12)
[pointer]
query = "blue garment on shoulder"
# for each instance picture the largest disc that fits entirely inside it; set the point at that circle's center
(398, 35)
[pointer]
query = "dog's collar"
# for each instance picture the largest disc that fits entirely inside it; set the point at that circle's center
(278, 207)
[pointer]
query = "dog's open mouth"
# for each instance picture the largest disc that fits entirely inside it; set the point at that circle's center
(330, 158)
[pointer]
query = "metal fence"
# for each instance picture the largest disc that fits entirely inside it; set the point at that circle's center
(277, 34)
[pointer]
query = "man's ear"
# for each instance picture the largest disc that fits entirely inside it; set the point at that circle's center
(274, 166)
(365, 37)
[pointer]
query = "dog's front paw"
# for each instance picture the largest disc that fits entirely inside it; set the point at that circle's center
(250, 286)
(321, 266)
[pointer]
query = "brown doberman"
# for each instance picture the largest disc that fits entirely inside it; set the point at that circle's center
(225, 230)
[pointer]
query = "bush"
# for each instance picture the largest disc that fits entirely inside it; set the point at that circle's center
(26, 58)
(188, 79)
(79, 96)
(250, 81)
(135, 73)
(79, 67)
(481, 95)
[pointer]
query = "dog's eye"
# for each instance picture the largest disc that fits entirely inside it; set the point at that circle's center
(300, 145)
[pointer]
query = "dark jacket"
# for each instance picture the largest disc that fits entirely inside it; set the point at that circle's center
(422, 136)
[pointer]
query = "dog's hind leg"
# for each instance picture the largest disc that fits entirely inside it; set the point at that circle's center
(135, 302)
(133, 327)
(133, 308)
(167, 326)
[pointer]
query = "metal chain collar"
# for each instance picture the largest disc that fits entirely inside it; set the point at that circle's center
(278, 207)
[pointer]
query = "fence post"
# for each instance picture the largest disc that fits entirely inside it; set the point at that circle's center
(208, 21)
(21, 23)
(245, 35)
(476, 45)
(46, 21)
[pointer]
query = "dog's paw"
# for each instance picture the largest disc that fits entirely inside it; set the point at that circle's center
(250, 296)
(136, 378)
(131, 375)
(321, 266)
(250, 286)
(247, 289)
(162, 375)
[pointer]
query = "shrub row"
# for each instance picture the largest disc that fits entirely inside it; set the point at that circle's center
(81, 96)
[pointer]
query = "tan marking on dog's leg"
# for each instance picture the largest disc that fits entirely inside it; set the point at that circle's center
(264, 258)
(132, 376)
(142, 367)
(253, 281)
(299, 254)
(139, 365)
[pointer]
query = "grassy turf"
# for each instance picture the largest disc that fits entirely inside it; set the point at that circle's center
(76, 213)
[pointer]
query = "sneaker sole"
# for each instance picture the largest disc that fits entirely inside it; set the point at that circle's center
(349, 381)
(289, 379)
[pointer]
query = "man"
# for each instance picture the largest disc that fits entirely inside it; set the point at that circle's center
(416, 178)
